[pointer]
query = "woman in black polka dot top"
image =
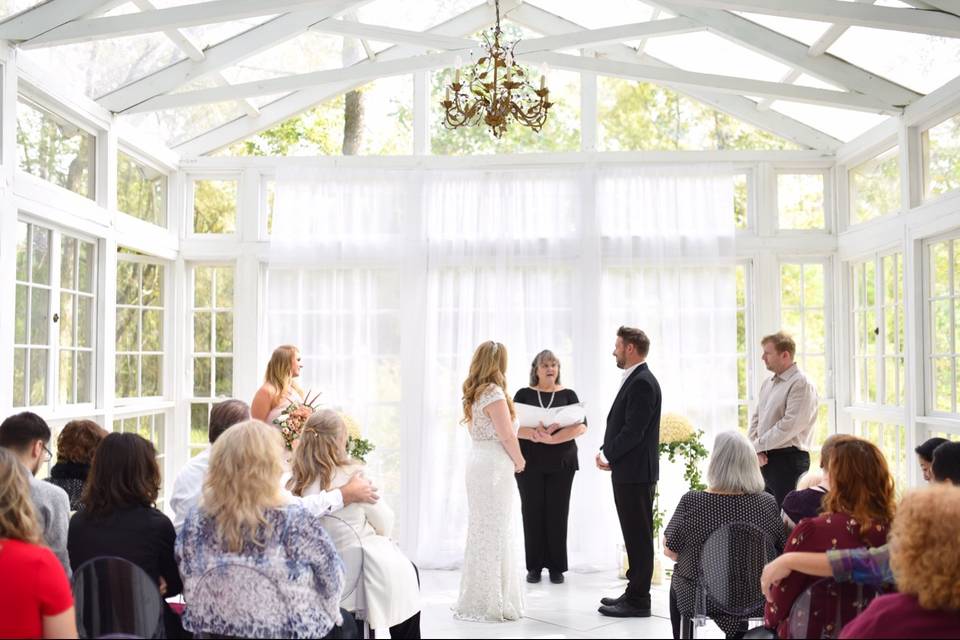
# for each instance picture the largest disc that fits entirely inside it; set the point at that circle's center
(735, 494)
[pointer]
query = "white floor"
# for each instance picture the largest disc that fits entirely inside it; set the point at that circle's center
(566, 610)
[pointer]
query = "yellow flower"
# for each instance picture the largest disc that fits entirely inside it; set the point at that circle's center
(674, 428)
(353, 429)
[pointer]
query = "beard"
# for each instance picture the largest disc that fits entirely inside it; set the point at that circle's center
(621, 362)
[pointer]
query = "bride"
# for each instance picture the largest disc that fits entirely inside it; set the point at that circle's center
(490, 588)
(279, 388)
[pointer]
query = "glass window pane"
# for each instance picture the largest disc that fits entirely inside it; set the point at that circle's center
(941, 327)
(128, 282)
(814, 338)
(54, 149)
(816, 369)
(201, 377)
(152, 285)
(86, 267)
(67, 312)
(202, 286)
(39, 316)
(126, 376)
(800, 201)
(202, 332)
(84, 376)
(19, 377)
(152, 330)
(943, 384)
(20, 319)
(224, 277)
(84, 321)
(68, 263)
(38, 376)
(214, 206)
(152, 371)
(224, 382)
(128, 330)
(813, 285)
(141, 190)
(790, 285)
(23, 257)
(224, 332)
(740, 201)
(40, 258)
(870, 283)
(941, 171)
(65, 383)
(199, 423)
(890, 381)
(875, 187)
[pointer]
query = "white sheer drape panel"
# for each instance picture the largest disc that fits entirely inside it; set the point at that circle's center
(536, 259)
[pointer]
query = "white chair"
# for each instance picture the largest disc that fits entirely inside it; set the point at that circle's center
(349, 544)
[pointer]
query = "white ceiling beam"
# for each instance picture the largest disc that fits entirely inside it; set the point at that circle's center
(44, 17)
(357, 73)
(642, 45)
(713, 82)
(795, 54)
(464, 24)
(190, 15)
(222, 55)
(609, 35)
(934, 23)
(417, 39)
(737, 106)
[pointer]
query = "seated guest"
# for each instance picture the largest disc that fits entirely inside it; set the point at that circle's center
(119, 517)
(27, 436)
(946, 463)
(806, 501)
(35, 596)
(75, 447)
(862, 565)
(925, 456)
(244, 519)
(926, 562)
(189, 484)
(391, 586)
(857, 512)
(735, 494)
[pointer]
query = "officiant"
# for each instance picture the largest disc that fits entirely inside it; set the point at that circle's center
(550, 450)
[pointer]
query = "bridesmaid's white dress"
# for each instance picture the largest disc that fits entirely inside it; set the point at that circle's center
(490, 586)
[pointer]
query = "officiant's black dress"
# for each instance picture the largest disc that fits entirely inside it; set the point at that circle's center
(545, 488)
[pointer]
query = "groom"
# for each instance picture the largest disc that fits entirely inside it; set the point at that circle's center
(630, 451)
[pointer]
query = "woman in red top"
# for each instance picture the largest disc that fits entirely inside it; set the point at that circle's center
(857, 512)
(926, 564)
(35, 596)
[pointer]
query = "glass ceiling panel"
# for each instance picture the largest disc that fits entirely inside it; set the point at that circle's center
(917, 61)
(842, 124)
(174, 126)
(11, 7)
(599, 13)
(310, 51)
(688, 50)
(416, 15)
(806, 31)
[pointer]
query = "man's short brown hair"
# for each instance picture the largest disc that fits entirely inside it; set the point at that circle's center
(637, 338)
(781, 342)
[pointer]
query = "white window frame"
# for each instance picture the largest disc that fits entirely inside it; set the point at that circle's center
(190, 188)
(828, 209)
(168, 209)
(929, 381)
(872, 158)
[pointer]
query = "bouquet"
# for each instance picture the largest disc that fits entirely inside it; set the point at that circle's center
(357, 446)
(292, 419)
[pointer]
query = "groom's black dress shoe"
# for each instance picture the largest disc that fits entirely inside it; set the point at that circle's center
(609, 602)
(556, 577)
(625, 610)
(533, 577)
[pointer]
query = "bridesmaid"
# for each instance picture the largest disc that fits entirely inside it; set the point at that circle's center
(279, 388)
(551, 455)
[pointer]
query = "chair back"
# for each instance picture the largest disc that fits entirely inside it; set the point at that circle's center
(114, 597)
(349, 545)
(731, 562)
(826, 606)
(257, 608)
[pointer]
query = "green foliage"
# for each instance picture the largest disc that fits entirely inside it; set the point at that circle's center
(55, 150)
(875, 187)
(358, 448)
(942, 155)
(214, 206)
(140, 192)
(693, 453)
(318, 131)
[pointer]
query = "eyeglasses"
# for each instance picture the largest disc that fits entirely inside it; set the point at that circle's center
(47, 453)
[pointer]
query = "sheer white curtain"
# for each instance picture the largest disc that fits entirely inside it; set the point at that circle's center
(388, 280)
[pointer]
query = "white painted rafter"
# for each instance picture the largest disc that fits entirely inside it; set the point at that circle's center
(222, 55)
(935, 23)
(171, 18)
(609, 35)
(770, 43)
(464, 24)
(44, 17)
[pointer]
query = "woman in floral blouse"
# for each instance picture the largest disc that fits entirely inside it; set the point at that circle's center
(857, 513)
(245, 522)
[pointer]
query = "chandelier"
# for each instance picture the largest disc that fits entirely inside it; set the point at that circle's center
(496, 90)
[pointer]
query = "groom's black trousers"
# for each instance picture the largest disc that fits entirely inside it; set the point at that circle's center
(635, 509)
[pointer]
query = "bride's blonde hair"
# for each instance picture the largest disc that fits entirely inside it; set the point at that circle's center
(280, 372)
(243, 482)
(489, 366)
(319, 452)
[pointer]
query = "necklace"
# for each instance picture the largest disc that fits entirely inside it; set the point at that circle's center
(549, 404)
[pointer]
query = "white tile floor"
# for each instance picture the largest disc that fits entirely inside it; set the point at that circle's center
(567, 610)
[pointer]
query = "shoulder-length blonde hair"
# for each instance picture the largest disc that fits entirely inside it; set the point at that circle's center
(18, 519)
(243, 482)
(319, 452)
(489, 366)
(924, 554)
(279, 372)
(861, 485)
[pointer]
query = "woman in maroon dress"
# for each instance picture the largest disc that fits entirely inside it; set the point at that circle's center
(857, 512)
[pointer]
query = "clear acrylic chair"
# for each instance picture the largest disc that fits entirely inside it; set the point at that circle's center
(115, 598)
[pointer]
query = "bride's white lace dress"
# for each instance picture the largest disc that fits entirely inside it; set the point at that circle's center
(490, 586)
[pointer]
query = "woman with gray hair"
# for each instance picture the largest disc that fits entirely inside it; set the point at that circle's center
(734, 494)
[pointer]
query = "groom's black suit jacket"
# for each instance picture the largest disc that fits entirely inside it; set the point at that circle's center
(631, 441)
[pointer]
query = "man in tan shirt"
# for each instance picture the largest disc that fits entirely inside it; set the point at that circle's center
(782, 425)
